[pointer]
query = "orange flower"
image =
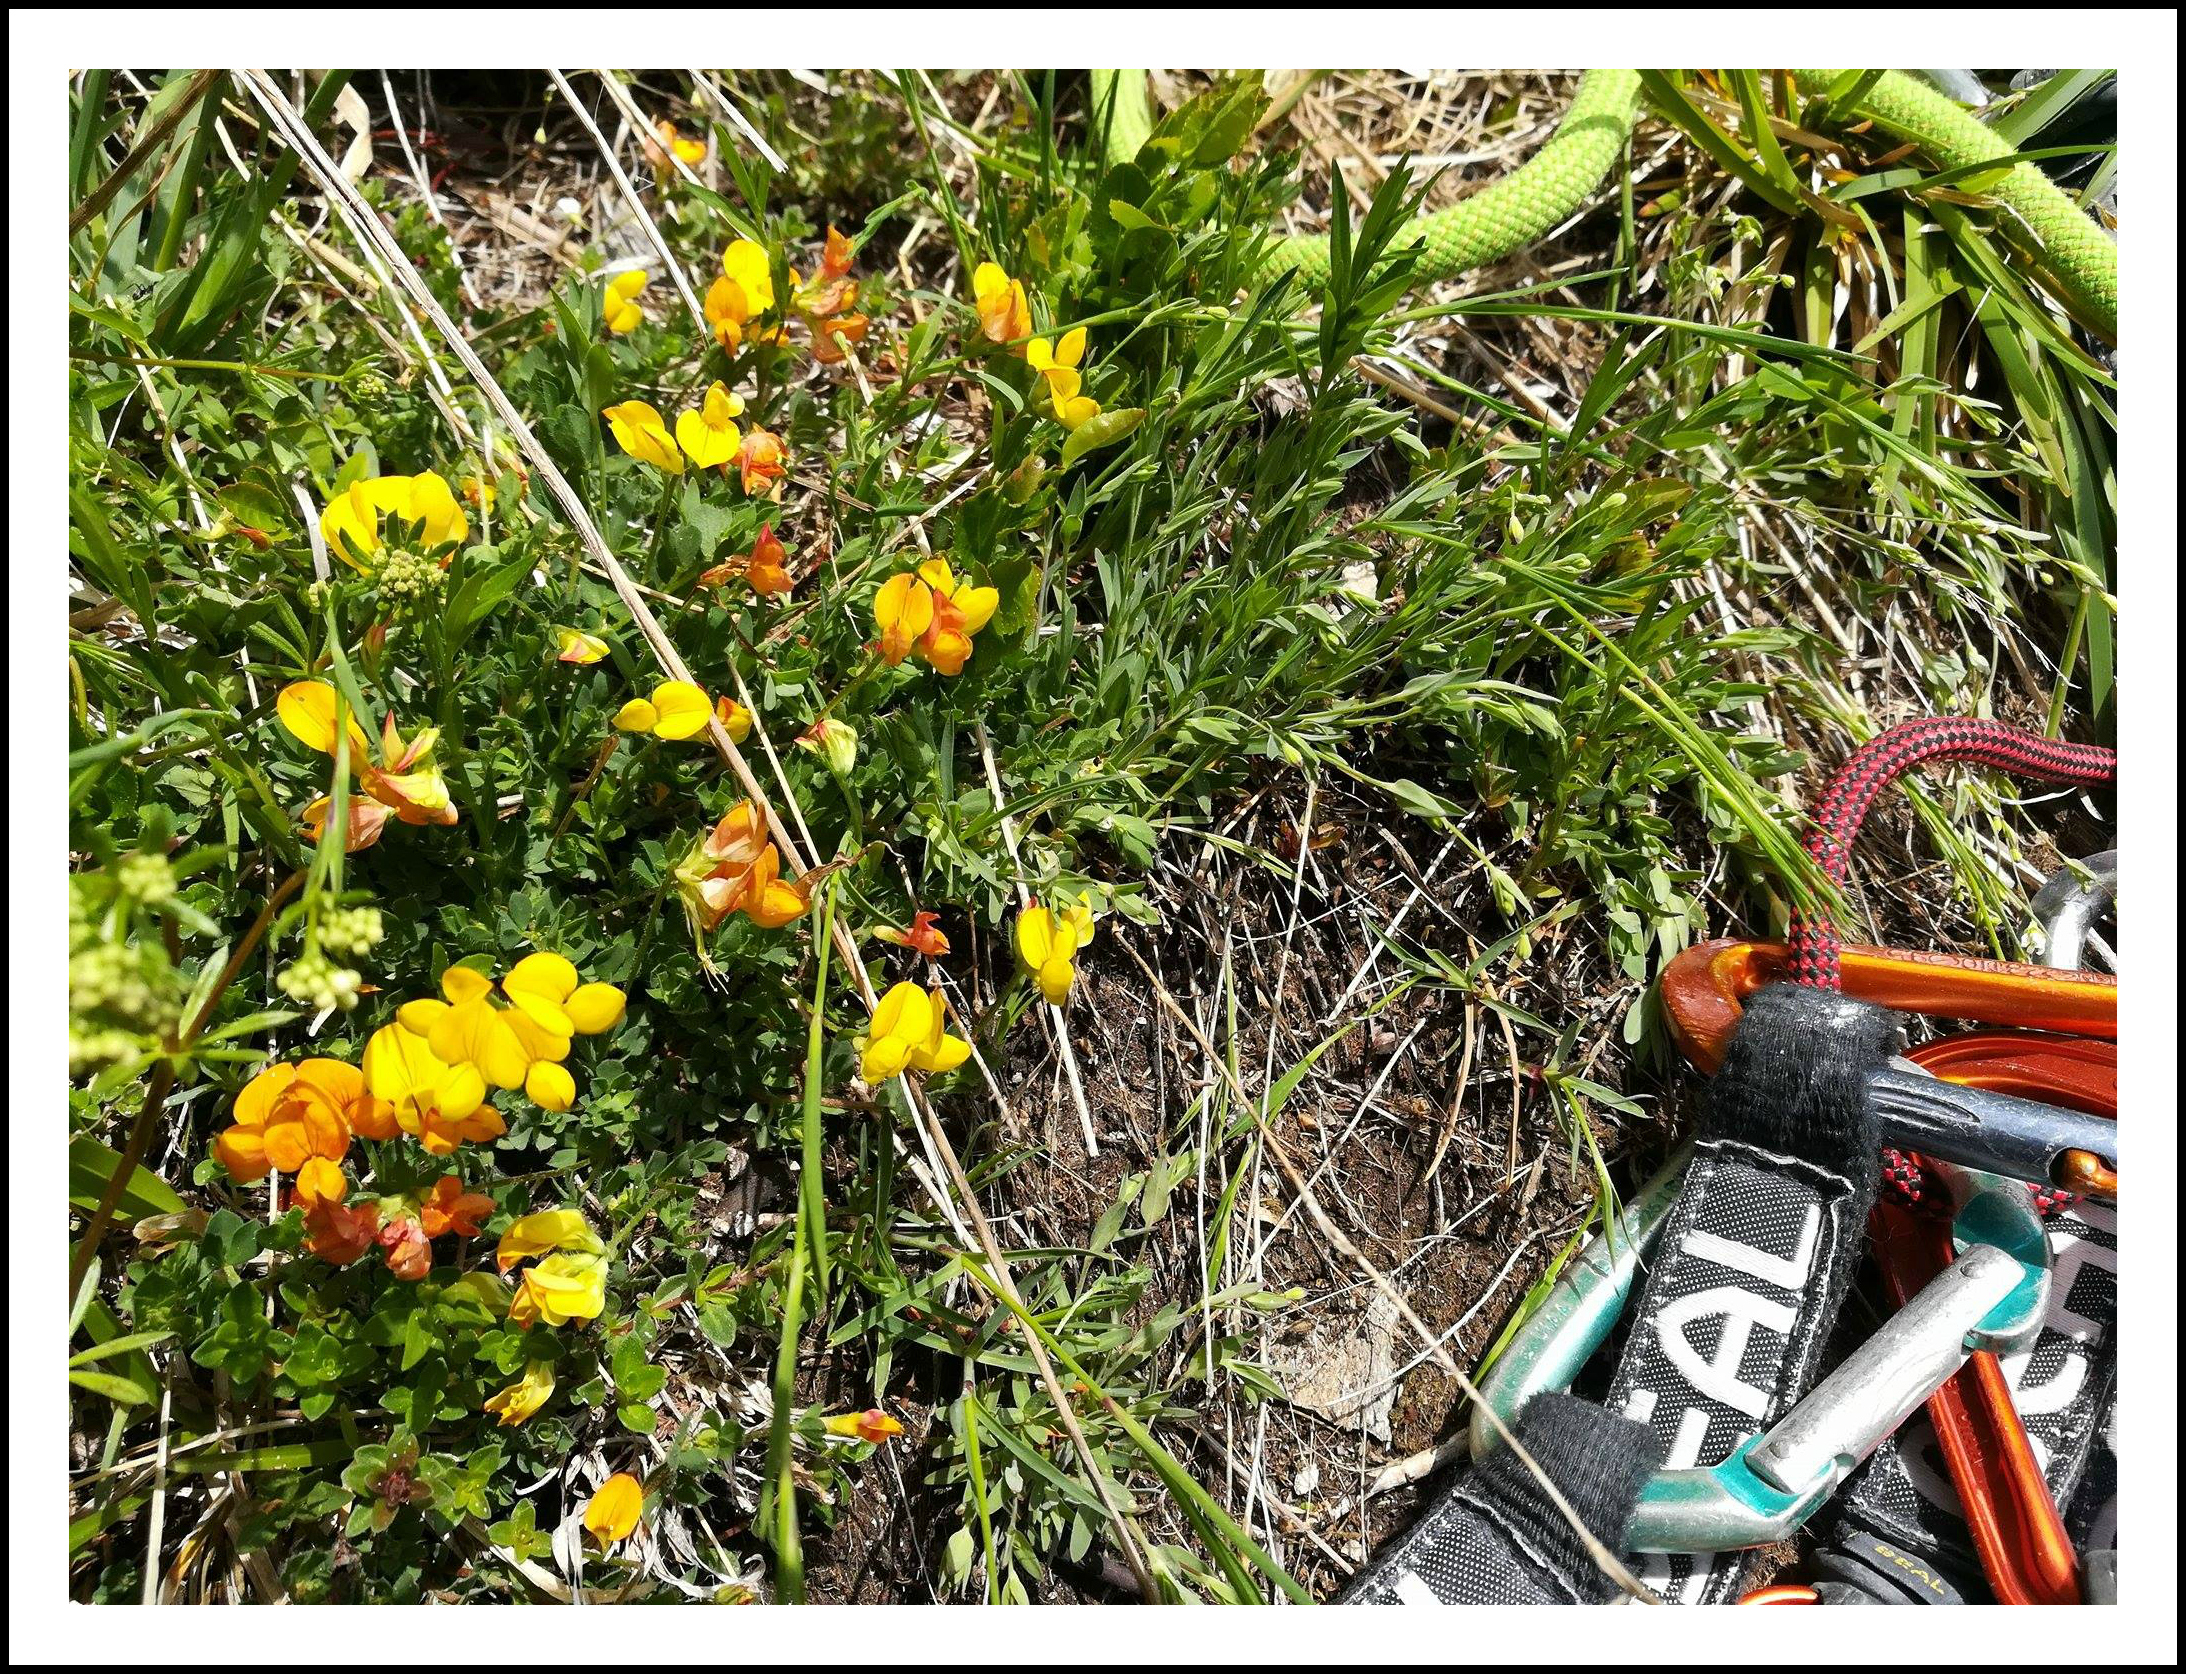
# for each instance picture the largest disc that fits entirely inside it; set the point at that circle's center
(830, 291)
(409, 1254)
(871, 1425)
(449, 1208)
(321, 1180)
(829, 336)
(339, 1234)
(612, 1513)
(405, 783)
(288, 1115)
(1004, 315)
(768, 572)
(921, 937)
(734, 868)
(763, 462)
(735, 719)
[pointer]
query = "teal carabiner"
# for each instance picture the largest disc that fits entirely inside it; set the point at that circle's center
(1992, 1297)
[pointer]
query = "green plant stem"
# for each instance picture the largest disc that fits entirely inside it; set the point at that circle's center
(789, 1560)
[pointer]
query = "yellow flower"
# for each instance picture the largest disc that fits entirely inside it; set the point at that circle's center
(619, 302)
(909, 1030)
(576, 646)
(691, 151)
(735, 719)
(569, 1283)
(441, 1103)
(523, 1044)
(641, 432)
(1004, 315)
(1058, 368)
(744, 291)
(871, 1425)
(708, 435)
(351, 521)
(676, 710)
(1048, 943)
(544, 1233)
(526, 1395)
(611, 1514)
(307, 707)
(560, 1289)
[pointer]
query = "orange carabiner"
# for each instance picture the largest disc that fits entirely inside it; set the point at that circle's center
(1704, 989)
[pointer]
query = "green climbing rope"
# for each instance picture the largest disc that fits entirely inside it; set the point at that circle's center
(2070, 244)
(1522, 206)
(2073, 249)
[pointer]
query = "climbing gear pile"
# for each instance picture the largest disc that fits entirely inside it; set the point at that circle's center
(1965, 1164)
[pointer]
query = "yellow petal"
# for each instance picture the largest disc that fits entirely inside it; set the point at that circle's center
(541, 1013)
(683, 710)
(475, 1033)
(1035, 937)
(550, 1087)
(636, 716)
(596, 1007)
(1055, 977)
(976, 605)
(547, 1229)
(573, 646)
(547, 974)
(1072, 348)
(256, 1101)
(611, 1514)
(307, 707)
(537, 1043)
(460, 983)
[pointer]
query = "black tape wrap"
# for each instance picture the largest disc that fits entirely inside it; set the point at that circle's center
(1497, 1538)
(1761, 1249)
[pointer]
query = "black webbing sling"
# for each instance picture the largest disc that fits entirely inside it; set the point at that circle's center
(1755, 1262)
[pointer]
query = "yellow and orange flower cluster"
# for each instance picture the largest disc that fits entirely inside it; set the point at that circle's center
(910, 1030)
(931, 611)
(744, 293)
(567, 1278)
(436, 1060)
(736, 868)
(706, 436)
(404, 784)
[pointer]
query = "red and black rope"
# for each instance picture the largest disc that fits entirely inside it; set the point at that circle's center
(1815, 945)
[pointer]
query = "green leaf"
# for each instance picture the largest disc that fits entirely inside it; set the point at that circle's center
(1100, 430)
(91, 1165)
(113, 1388)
